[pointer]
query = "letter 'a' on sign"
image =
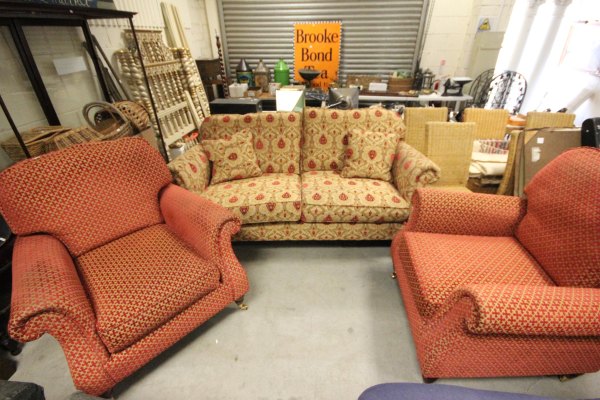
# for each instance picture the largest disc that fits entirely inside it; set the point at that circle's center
(317, 46)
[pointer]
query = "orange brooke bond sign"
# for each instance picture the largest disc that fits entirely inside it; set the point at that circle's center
(317, 46)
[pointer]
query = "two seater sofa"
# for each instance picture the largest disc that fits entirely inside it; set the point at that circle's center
(301, 194)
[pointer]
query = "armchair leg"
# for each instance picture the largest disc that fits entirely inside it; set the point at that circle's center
(565, 378)
(241, 305)
(393, 276)
(108, 394)
(429, 380)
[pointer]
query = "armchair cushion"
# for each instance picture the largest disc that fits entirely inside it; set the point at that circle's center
(267, 198)
(370, 154)
(328, 197)
(139, 282)
(232, 158)
(438, 264)
(77, 202)
(562, 226)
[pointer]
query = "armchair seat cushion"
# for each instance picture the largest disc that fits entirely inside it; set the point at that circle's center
(268, 198)
(438, 264)
(328, 197)
(139, 282)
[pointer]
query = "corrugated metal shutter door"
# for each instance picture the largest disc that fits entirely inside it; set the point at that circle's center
(377, 36)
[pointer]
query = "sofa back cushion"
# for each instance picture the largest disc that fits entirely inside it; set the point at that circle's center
(276, 137)
(86, 195)
(561, 228)
(323, 144)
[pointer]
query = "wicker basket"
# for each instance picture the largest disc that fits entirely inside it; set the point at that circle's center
(107, 120)
(135, 113)
(36, 140)
(63, 140)
(399, 84)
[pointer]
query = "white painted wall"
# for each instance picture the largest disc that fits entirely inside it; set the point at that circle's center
(70, 92)
(452, 28)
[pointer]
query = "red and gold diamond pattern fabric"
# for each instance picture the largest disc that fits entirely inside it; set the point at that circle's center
(438, 264)
(232, 158)
(562, 226)
(276, 137)
(139, 282)
(267, 198)
(191, 170)
(370, 154)
(323, 147)
(327, 197)
(447, 348)
(87, 194)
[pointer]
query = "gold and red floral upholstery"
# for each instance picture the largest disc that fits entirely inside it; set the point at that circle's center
(297, 206)
(480, 302)
(323, 144)
(92, 293)
(559, 240)
(327, 197)
(276, 137)
(267, 198)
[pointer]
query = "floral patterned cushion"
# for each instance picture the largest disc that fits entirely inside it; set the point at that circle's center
(276, 137)
(328, 197)
(267, 198)
(324, 131)
(233, 158)
(370, 154)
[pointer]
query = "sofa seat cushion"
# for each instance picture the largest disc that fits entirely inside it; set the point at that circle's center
(139, 282)
(267, 198)
(438, 264)
(327, 197)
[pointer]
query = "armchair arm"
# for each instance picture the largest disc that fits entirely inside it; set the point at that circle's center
(45, 281)
(208, 228)
(459, 213)
(191, 170)
(533, 310)
(412, 170)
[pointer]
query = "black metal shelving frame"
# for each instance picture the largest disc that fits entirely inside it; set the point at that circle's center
(17, 14)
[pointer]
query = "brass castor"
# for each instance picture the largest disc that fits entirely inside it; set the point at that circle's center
(241, 305)
(429, 380)
(565, 378)
(394, 275)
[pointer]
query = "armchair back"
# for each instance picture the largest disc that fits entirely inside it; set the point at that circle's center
(276, 137)
(86, 195)
(561, 228)
(323, 143)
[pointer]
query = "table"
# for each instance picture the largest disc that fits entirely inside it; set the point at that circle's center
(422, 98)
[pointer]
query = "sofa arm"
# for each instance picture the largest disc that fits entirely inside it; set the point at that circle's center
(191, 170)
(412, 170)
(45, 281)
(208, 228)
(532, 310)
(460, 213)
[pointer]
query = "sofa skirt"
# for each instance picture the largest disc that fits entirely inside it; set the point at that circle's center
(317, 231)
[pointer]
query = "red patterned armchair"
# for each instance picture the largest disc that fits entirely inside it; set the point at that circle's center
(112, 259)
(506, 286)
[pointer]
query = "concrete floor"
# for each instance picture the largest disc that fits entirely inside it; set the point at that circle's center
(325, 322)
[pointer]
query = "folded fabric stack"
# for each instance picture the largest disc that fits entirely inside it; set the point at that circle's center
(488, 161)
